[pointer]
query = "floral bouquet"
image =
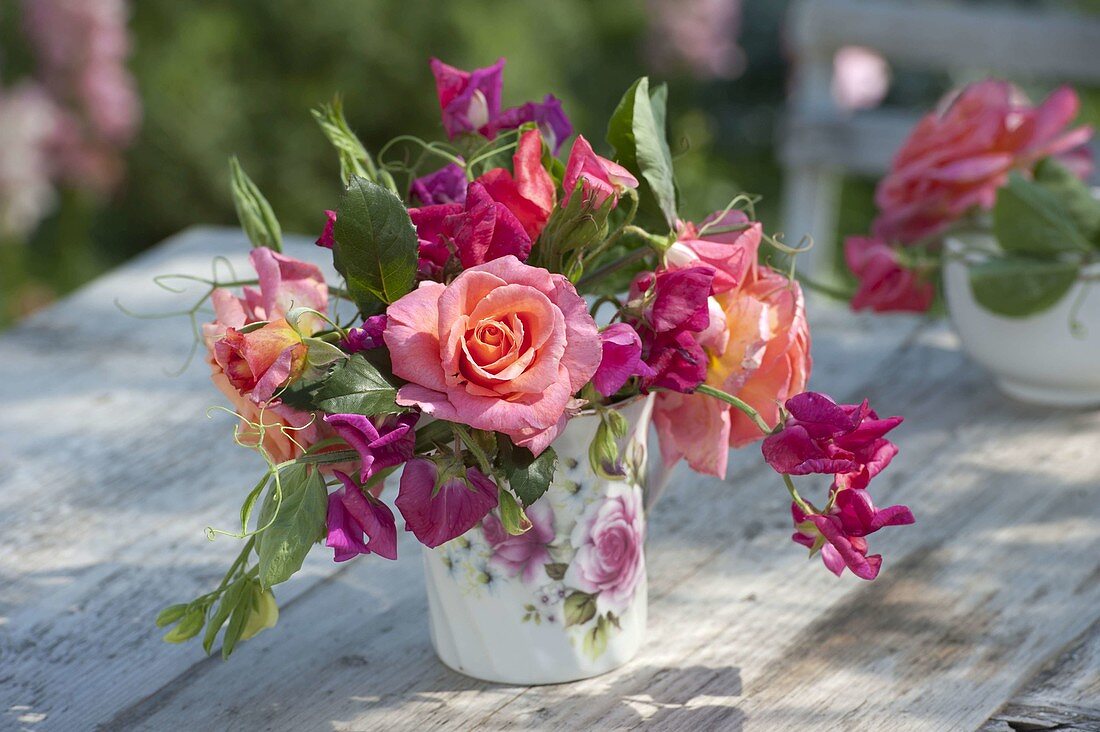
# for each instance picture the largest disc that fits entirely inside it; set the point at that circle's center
(514, 320)
(987, 161)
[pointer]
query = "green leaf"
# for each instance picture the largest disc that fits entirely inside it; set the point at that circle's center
(354, 158)
(356, 386)
(296, 523)
(595, 640)
(250, 502)
(556, 570)
(171, 614)
(1031, 220)
(322, 353)
(1075, 195)
(242, 610)
(528, 476)
(188, 627)
(253, 211)
(580, 607)
(512, 517)
(376, 246)
(637, 133)
(1018, 287)
(226, 603)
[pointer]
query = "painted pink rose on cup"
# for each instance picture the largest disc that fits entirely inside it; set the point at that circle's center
(504, 347)
(525, 555)
(610, 558)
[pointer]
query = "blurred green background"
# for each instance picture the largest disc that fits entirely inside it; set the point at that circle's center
(218, 78)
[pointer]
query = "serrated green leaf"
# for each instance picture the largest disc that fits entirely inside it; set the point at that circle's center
(376, 245)
(580, 607)
(529, 476)
(296, 523)
(356, 386)
(637, 132)
(1075, 195)
(1017, 287)
(1028, 219)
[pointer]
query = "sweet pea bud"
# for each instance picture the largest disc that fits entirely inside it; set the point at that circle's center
(603, 452)
(253, 211)
(264, 613)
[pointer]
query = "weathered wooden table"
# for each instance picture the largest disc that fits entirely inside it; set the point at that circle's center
(985, 616)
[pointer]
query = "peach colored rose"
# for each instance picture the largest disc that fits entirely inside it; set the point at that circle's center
(262, 361)
(761, 357)
(504, 347)
(957, 157)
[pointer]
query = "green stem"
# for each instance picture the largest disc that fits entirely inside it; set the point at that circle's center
(806, 508)
(611, 267)
(734, 401)
(832, 291)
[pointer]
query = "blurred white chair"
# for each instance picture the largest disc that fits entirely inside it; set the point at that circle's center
(822, 142)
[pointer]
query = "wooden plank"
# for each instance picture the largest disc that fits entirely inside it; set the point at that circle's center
(1065, 695)
(109, 473)
(743, 632)
(1020, 44)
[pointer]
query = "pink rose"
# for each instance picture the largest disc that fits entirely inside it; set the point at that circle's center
(762, 357)
(728, 243)
(958, 156)
(504, 347)
(262, 361)
(599, 176)
(885, 285)
(524, 555)
(609, 540)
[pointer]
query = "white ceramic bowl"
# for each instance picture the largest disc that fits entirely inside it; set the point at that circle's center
(1037, 359)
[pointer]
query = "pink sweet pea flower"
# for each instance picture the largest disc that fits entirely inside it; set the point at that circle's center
(381, 442)
(821, 436)
(504, 347)
(622, 359)
(351, 515)
(840, 534)
(524, 555)
(326, 239)
(366, 338)
(470, 101)
(957, 157)
(728, 244)
(547, 114)
(529, 194)
(446, 185)
(885, 285)
(435, 237)
(262, 361)
(763, 358)
(438, 512)
(600, 178)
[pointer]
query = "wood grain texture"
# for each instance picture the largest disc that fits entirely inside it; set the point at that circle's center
(102, 506)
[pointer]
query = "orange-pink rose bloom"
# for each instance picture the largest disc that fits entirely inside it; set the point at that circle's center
(758, 346)
(503, 347)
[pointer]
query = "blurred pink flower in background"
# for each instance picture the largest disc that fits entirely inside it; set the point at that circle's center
(28, 119)
(697, 35)
(861, 78)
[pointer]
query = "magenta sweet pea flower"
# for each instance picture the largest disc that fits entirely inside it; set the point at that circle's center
(381, 443)
(678, 312)
(488, 230)
(327, 240)
(547, 114)
(859, 517)
(351, 515)
(526, 554)
(622, 358)
(366, 338)
(600, 178)
(438, 512)
(469, 100)
(821, 436)
(434, 237)
(446, 185)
